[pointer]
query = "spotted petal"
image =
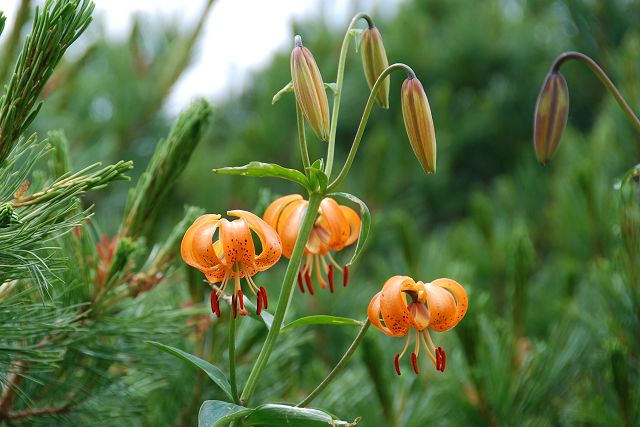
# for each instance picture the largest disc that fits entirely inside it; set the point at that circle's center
(271, 245)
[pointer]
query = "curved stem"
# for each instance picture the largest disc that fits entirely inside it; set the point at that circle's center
(338, 95)
(302, 139)
(286, 291)
(603, 78)
(232, 357)
(334, 372)
(365, 117)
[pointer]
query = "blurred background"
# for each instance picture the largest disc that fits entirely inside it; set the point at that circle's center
(549, 255)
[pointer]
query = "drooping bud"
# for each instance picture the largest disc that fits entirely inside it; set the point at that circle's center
(374, 62)
(419, 123)
(308, 87)
(550, 119)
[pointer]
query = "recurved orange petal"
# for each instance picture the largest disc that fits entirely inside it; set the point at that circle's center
(273, 212)
(335, 222)
(271, 246)
(393, 304)
(196, 247)
(289, 225)
(374, 315)
(442, 306)
(237, 242)
(460, 295)
(354, 224)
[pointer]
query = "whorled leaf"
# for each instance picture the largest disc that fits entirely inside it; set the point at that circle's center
(321, 320)
(260, 169)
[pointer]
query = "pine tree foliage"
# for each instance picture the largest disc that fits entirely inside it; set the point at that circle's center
(76, 305)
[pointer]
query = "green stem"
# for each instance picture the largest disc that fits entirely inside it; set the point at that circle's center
(345, 358)
(286, 291)
(338, 95)
(603, 78)
(302, 139)
(232, 358)
(365, 117)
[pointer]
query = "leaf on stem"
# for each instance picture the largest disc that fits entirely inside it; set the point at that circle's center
(213, 372)
(260, 169)
(318, 180)
(365, 217)
(215, 413)
(321, 320)
(277, 415)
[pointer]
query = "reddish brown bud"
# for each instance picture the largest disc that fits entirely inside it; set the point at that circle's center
(374, 62)
(550, 119)
(308, 87)
(419, 123)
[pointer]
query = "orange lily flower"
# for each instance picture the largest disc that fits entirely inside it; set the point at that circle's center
(438, 305)
(232, 255)
(336, 227)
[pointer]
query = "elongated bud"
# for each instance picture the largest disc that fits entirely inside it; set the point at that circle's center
(419, 124)
(374, 62)
(550, 119)
(309, 89)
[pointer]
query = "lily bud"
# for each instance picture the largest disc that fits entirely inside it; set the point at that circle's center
(550, 119)
(374, 61)
(419, 124)
(309, 89)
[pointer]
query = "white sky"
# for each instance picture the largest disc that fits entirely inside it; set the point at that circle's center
(239, 35)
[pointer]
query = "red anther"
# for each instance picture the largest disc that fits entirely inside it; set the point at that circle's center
(259, 304)
(215, 307)
(396, 363)
(307, 279)
(330, 277)
(234, 306)
(414, 362)
(263, 292)
(241, 300)
(300, 284)
(345, 276)
(443, 362)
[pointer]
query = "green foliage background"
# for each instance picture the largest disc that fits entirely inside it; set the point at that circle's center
(550, 256)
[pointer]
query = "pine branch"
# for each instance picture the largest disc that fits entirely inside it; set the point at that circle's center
(59, 24)
(164, 169)
(22, 16)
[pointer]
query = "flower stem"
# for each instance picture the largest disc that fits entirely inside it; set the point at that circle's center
(599, 72)
(232, 357)
(338, 95)
(302, 139)
(286, 292)
(334, 372)
(365, 117)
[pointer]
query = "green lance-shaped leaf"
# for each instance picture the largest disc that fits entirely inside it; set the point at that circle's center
(550, 118)
(321, 320)
(318, 180)
(277, 415)
(214, 413)
(259, 169)
(214, 373)
(365, 218)
(165, 167)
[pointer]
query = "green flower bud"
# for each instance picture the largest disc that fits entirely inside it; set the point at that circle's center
(419, 124)
(374, 62)
(550, 119)
(309, 89)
